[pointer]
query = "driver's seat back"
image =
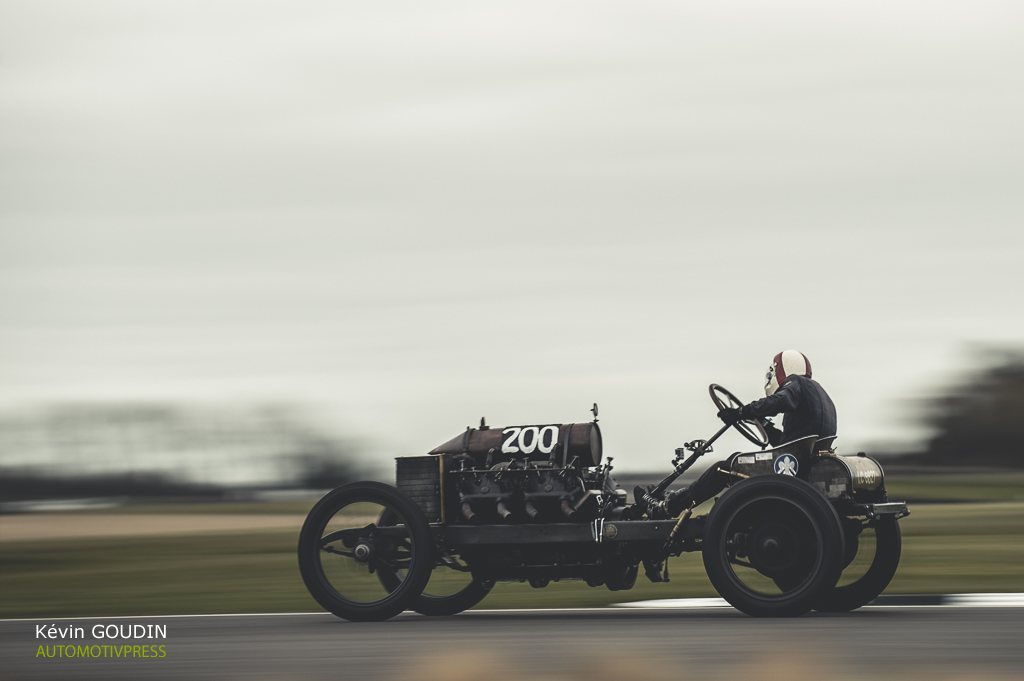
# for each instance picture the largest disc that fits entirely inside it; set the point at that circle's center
(825, 446)
(793, 458)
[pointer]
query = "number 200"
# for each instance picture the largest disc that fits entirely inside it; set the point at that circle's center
(529, 439)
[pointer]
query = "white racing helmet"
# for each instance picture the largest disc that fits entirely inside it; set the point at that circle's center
(785, 364)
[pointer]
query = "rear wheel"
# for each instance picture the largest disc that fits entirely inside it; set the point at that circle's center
(351, 536)
(440, 602)
(772, 545)
(876, 549)
(450, 590)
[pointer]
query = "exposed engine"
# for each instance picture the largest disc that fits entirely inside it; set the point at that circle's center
(525, 475)
(519, 474)
(523, 491)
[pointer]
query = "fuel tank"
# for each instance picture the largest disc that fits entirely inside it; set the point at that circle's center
(854, 478)
(558, 443)
(858, 479)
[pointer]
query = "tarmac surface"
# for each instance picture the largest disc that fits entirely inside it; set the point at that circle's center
(877, 642)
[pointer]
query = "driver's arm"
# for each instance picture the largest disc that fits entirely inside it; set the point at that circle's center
(774, 434)
(786, 398)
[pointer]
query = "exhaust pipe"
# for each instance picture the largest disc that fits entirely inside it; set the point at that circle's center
(467, 511)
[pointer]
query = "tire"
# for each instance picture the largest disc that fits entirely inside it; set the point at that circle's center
(772, 546)
(343, 543)
(452, 604)
(443, 604)
(439, 599)
(863, 590)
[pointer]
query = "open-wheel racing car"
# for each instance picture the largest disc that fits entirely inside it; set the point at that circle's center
(801, 528)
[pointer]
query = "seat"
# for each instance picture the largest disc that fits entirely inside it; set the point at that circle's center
(792, 458)
(824, 446)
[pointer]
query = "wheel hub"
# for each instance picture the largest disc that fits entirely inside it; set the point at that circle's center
(774, 549)
(362, 552)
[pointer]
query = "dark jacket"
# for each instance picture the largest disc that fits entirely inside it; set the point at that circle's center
(807, 407)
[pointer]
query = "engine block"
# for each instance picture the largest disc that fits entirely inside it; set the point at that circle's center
(518, 474)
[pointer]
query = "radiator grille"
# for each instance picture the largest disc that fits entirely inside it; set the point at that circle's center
(419, 478)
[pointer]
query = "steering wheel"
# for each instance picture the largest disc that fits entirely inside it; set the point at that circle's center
(749, 428)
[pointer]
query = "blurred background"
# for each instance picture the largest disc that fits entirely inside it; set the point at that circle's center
(251, 251)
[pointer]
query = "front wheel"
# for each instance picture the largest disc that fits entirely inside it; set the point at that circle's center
(772, 546)
(876, 552)
(359, 530)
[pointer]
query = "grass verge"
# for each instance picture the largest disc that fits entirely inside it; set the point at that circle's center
(947, 548)
(959, 487)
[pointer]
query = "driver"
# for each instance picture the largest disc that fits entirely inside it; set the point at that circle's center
(789, 390)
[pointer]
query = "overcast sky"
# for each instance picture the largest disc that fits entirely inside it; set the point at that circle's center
(407, 215)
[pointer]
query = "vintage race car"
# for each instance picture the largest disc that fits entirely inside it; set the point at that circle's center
(537, 504)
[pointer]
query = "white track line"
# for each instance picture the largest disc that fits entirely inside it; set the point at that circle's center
(137, 617)
(407, 613)
(985, 600)
(992, 600)
(678, 603)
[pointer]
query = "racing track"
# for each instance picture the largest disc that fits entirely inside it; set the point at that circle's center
(652, 644)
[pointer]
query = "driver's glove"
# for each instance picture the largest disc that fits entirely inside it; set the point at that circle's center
(729, 416)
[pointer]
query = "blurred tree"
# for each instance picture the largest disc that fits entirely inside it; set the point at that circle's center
(980, 422)
(325, 470)
(313, 459)
(158, 449)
